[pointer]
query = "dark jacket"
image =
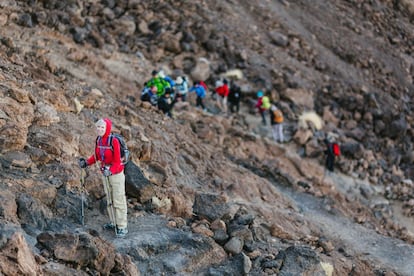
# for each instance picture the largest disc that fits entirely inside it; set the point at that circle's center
(235, 94)
(330, 156)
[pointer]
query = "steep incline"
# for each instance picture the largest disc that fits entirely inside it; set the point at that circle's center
(223, 198)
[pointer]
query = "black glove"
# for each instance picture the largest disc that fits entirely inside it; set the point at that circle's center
(82, 163)
(106, 172)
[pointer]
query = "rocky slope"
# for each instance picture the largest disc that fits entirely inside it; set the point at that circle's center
(212, 195)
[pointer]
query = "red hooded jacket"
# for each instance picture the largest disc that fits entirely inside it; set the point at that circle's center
(104, 153)
(223, 90)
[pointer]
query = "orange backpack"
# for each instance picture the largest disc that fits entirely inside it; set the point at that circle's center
(277, 116)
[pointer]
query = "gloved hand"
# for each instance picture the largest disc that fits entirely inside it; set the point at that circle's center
(106, 172)
(82, 163)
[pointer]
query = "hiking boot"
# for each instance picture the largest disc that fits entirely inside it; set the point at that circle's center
(109, 226)
(121, 232)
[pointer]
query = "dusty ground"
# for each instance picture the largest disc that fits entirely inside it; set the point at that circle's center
(352, 57)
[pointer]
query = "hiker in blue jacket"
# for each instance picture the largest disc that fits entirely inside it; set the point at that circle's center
(201, 94)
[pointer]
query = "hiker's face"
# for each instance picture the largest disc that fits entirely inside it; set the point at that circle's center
(100, 130)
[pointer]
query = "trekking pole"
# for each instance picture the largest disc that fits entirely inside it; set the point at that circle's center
(109, 202)
(83, 196)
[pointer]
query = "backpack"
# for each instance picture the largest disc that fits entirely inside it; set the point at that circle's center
(265, 103)
(125, 153)
(335, 149)
(204, 85)
(146, 94)
(277, 116)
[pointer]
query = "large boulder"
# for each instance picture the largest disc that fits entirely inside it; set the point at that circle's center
(300, 260)
(201, 70)
(136, 184)
(209, 206)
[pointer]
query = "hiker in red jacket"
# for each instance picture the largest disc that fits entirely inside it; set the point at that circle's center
(223, 93)
(109, 155)
(330, 156)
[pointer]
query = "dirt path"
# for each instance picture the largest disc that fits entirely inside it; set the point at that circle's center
(390, 253)
(387, 252)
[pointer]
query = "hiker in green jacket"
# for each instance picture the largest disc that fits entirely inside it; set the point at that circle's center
(262, 105)
(158, 82)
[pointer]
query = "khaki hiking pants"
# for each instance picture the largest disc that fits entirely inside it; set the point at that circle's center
(115, 190)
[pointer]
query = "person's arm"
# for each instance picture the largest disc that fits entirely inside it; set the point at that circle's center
(116, 165)
(165, 83)
(150, 83)
(92, 159)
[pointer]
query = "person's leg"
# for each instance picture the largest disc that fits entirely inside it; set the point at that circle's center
(280, 132)
(218, 99)
(224, 104)
(200, 103)
(119, 199)
(263, 117)
(330, 162)
(274, 132)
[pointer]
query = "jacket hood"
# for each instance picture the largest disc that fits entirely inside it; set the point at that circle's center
(108, 127)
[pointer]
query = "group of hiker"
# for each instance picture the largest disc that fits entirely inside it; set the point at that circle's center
(164, 92)
(264, 107)
(160, 91)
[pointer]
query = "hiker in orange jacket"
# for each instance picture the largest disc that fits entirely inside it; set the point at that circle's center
(276, 121)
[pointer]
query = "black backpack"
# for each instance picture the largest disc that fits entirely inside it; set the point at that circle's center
(125, 153)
